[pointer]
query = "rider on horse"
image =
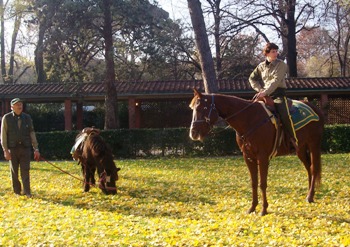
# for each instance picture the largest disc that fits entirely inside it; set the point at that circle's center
(272, 72)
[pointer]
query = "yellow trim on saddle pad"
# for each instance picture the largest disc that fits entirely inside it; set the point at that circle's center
(303, 115)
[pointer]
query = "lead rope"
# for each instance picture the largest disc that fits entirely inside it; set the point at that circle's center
(43, 159)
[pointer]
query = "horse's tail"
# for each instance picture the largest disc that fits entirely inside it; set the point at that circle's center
(316, 153)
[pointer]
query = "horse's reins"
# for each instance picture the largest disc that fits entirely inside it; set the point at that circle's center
(243, 137)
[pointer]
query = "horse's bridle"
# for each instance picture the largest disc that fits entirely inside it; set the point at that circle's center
(103, 179)
(207, 119)
(213, 108)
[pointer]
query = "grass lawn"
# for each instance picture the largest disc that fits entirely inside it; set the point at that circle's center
(178, 202)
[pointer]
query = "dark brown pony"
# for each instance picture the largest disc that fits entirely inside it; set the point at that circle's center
(94, 154)
(255, 135)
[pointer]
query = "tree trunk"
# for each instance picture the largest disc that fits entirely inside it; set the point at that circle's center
(217, 36)
(292, 52)
(45, 17)
(38, 56)
(202, 43)
(343, 38)
(111, 104)
(2, 41)
(17, 24)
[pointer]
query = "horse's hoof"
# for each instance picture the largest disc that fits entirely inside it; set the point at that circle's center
(310, 200)
(251, 210)
(263, 213)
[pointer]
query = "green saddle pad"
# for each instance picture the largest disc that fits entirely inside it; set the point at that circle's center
(302, 114)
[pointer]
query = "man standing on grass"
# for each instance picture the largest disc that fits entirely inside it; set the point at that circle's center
(17, 139)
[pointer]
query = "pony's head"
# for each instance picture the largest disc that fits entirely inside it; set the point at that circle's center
(204, 115)
(109, 177)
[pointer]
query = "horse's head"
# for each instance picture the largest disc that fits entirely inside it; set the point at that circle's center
(108, 179)
(204, 115)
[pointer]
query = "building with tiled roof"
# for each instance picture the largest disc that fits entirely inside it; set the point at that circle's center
(160, 89)
(324, 90)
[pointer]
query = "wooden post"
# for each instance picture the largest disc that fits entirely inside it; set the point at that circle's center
(68, 114)
(6, 107)
(325, 106)
(134, 113)
(79, 115)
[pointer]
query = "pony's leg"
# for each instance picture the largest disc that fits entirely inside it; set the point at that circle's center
(263, 169)
(92, 179)
(85, 171)
(87, 180)
(253, 170)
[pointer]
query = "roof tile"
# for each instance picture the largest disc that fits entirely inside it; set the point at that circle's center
(147, 88)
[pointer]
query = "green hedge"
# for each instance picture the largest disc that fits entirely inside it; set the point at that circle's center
(336, 139)
(135, 143)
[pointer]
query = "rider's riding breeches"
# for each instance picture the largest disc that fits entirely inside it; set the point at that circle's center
(282, 109)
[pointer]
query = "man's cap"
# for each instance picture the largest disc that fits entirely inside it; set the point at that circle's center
(15, 100)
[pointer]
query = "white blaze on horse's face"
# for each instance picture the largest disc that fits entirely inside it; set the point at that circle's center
(201, 121)
(194, 135)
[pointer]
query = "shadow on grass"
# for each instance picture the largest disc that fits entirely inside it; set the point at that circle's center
(165, 199)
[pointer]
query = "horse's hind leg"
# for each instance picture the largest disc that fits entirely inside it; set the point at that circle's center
(312, 164)
(316, 169)
(304, 156)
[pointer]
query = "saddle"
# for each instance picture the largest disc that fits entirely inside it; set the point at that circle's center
(301, 115)
(268, 101)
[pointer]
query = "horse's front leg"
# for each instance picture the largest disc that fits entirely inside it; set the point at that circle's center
(93, 171)
(253, 170)
(263, 168)
(87, 176)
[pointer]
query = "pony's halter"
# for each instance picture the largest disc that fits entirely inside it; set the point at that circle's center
(104, 179)
(207, 119)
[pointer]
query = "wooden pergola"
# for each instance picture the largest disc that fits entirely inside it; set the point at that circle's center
(137, 91)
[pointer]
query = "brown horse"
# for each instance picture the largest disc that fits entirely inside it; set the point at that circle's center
(256, 137)
(94, 153)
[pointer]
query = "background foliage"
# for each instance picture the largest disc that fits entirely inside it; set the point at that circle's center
(61, 41)
(178, 202)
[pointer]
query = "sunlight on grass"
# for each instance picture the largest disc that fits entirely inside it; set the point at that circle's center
(178, 202)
